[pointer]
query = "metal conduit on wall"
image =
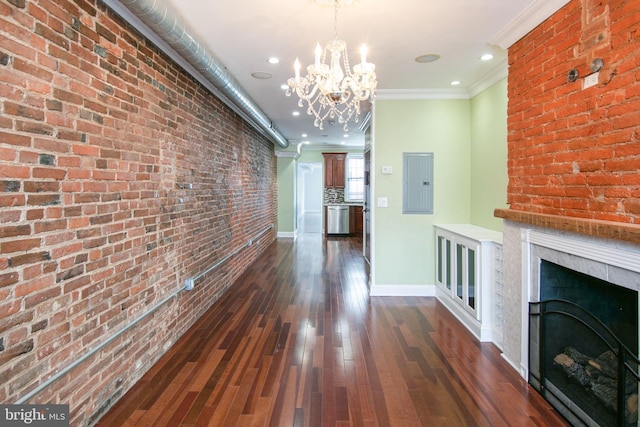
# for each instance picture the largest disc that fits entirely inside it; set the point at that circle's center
(189, 284)
(161, 24)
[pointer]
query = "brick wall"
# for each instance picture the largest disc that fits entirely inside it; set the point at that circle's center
(575, 152)
(120, 177)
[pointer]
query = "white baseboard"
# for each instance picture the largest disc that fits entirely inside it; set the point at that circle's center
(522, 370)
(403, 291)
(287, 234)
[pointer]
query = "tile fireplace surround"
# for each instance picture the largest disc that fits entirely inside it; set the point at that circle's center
(611, 246)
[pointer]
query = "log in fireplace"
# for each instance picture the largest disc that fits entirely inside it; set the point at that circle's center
(583, 347)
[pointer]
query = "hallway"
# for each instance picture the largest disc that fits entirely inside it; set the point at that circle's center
(298, 342)
(310, 222)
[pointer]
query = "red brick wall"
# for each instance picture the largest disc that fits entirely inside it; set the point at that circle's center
(576, 152)
(120, 177)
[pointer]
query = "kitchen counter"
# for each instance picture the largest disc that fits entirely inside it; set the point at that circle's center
(344, 204)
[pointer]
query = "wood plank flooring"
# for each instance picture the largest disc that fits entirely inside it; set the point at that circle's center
(298, 342)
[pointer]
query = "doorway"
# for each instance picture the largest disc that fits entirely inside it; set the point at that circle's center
(309, 197)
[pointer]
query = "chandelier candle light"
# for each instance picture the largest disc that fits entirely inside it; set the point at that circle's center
(333, 91)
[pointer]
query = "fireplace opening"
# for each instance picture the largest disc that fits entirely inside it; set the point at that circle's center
(584, 346)
(615, 306)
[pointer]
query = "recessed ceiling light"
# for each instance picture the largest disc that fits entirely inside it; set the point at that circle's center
(273, 60)
(342, 142)
(346, 135)
(296, 113)
(455, 83)
(486, 57)
(304, 135)
(261, 75)
(305, 142)
(429, 57)
(284, 86)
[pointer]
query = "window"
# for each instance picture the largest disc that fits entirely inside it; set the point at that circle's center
(354, 189)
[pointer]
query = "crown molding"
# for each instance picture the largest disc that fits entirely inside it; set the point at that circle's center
(365, 122)
(499, 72)
(404, 94)
(289, 154)
(536, 13)
(333, 148)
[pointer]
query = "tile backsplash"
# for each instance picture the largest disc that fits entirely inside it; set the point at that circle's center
(333, 195)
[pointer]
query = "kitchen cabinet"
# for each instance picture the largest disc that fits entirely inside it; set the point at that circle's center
(355, 220)
(334, 164)
(469, 277)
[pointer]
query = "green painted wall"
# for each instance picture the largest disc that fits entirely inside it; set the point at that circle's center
(310, 156)
(286, 194)
(489, 155)
(403, 244)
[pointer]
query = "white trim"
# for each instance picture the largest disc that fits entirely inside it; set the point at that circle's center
(499, 72)
(601, 253)
(287, 234)
(365, 122)
(402, 290)
(520, 369)
(335, 148)
(403, 94)
(290, 154)
(371, 207)
(535, 14)
(524, 302)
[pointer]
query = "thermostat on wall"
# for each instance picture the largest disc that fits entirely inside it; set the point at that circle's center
(387, 170)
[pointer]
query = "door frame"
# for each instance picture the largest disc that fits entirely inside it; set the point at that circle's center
(366, 208)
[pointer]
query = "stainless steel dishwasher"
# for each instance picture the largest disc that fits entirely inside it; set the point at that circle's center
(337, 219)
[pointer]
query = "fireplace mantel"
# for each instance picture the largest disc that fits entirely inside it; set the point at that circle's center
(591, 227)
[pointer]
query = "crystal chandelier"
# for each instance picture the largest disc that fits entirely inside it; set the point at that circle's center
(333, 91)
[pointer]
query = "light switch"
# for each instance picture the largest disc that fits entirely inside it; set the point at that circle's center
(590, 80)
(387, 170)
(382, 202)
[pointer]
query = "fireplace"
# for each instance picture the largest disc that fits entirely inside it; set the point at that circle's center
(583, 327)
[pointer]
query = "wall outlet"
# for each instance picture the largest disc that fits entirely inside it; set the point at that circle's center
(382, 202)
(590, 80)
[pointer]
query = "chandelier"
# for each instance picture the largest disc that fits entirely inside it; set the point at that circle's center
(332, 91)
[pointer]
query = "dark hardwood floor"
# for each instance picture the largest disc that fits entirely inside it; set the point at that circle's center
(298, 342)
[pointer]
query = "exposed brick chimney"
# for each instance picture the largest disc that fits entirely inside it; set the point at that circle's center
(574, 153)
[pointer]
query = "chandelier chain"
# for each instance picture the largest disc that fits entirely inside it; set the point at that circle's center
(335, 19)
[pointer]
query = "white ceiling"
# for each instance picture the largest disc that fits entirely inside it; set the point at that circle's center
(244, 34)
